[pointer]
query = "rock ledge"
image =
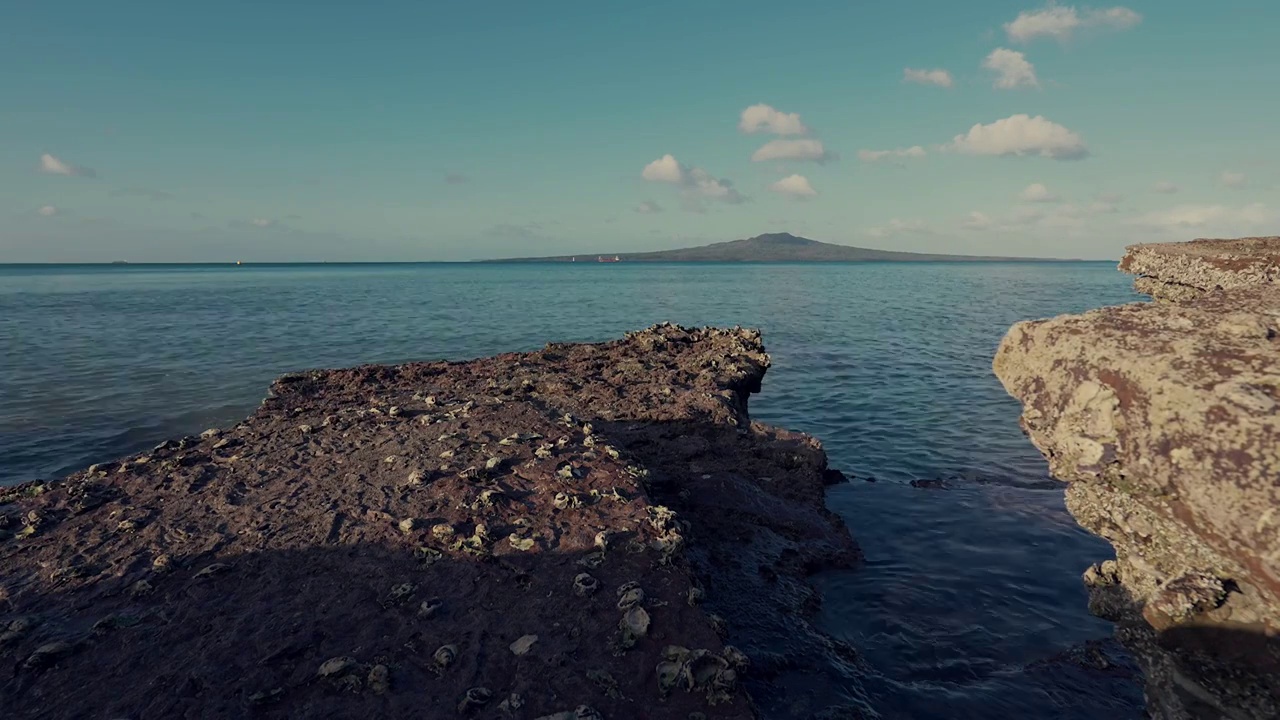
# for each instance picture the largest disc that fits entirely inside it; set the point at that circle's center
(581, 532)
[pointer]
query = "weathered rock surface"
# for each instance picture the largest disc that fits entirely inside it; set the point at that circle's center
(1178, 272)
(584, 531)
(1165, 420)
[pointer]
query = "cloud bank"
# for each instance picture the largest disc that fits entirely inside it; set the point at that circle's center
(1021, 135)
(695, 183)
(1060, 22)
(800, 149)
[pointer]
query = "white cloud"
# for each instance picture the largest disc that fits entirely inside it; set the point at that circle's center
(977, 221)
(664, 169)
(648, 207)
(51, 165)
(1021, 135)
(704, 184)
(1165, 187)
(801, 149)
(697, 184)
(898, 227)
(1060, 22)
(766, 118)
(870, 156)
(48, 211)
(1233, 179)
(1037, 193)
(1116, 18)
(794, 186)
(938, 77)
(1053, 21)
(1230, 220)
(1011, 68)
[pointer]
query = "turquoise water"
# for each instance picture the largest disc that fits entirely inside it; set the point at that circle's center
(965, 589)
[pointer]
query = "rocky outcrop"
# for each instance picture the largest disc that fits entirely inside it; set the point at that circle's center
(585, 531)
(1178, 272)
(1165, 420)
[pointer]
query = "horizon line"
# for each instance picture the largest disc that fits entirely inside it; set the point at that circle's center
(553, 260)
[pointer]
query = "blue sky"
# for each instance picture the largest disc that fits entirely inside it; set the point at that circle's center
(447, 131)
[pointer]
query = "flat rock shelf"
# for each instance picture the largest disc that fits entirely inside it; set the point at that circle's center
(585, 531)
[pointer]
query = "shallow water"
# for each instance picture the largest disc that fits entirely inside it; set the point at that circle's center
(965, 589)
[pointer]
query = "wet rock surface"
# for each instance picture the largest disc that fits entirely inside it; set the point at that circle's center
(584, 531)
(1165, 420)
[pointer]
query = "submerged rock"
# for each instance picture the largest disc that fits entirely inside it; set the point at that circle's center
(1165, 420)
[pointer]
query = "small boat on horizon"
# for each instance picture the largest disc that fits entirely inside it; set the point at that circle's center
(615, 258)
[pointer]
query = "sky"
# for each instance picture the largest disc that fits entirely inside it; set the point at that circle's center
(428, 131)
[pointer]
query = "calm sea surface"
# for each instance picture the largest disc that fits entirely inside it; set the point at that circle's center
(965, 591)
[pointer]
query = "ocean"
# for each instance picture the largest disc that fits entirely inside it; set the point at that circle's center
(970, 598)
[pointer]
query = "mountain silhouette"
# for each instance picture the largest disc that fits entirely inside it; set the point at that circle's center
(770, 247)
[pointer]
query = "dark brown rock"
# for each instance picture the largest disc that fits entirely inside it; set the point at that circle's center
(299, 574)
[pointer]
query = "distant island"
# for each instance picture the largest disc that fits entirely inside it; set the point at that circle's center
(771, 247)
